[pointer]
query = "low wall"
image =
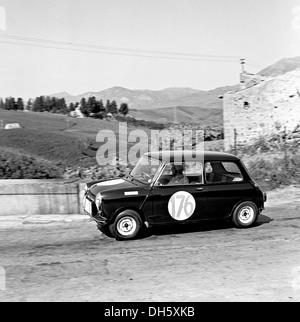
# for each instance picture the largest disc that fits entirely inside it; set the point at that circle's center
(40, 197)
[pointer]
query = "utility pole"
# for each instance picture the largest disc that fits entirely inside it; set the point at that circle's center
(243, 62)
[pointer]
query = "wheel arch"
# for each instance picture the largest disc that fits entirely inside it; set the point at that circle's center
(242, 201)
(133, 209)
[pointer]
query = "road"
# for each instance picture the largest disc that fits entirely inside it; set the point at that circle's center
(72, 261)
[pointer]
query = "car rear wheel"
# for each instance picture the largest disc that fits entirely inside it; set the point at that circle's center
(245, 215)
(126, 226)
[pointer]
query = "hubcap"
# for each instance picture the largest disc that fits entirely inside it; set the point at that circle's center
(126, 226)
(246, 215)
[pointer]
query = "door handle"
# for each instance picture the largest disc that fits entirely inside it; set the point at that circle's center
(199, 189)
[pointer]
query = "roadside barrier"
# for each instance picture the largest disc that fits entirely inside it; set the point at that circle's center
(40, 197)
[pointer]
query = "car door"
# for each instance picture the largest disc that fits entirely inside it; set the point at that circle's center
(225, 187)
(178, 203)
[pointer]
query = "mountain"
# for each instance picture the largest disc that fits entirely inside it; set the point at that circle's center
(281, 67)
(149, 100)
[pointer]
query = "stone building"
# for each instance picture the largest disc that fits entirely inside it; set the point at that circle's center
(261, 105)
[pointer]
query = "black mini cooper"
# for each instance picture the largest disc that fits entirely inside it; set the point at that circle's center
(175, 187)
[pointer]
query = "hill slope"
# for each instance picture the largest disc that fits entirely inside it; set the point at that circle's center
(281, 67)
(147, 99)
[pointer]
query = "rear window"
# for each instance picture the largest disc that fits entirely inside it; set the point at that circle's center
(231, 167)
(222, 172)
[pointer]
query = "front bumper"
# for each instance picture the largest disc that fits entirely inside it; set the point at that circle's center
(90, 209)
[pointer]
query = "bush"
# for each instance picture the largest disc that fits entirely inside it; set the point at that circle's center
(20, 166)
(135, 122)
(276, 173)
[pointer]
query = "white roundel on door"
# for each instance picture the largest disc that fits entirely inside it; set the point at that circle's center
(181, 205)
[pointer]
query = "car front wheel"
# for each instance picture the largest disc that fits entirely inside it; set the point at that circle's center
(245, 215)
(126, 226)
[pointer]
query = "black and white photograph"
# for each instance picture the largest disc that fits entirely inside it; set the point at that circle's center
(149, 153)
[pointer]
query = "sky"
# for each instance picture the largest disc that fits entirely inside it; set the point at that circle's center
(77, 46)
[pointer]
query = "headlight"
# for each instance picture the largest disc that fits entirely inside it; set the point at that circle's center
(98, 200)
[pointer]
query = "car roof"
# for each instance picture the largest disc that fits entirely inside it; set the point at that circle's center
(191, 155)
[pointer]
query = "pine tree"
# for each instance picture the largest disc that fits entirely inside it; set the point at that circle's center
(62, 106)
(107, 106)
(72, 107)
(101, 106)
(38, 104)
(29, 105)
(124, 109)
(20, 104)
(83, 107)
(12, 104)
(1, 104)
(113, 108)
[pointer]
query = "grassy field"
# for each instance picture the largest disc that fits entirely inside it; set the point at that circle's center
(58, 138)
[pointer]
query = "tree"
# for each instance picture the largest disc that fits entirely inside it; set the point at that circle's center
(124, 109)
(113, 108)
(20, 104)
(10, 104)
(38, 104)
(29, 105)
(1, 104)
(107, 105)
(83, 107)
(72, 107)
(101, 106)
(62, 106)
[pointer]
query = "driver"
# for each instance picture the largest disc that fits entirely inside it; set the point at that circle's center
(178, 177)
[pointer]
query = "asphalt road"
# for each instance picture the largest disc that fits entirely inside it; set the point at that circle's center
(72, 261)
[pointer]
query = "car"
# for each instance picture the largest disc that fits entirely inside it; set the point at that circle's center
(209, 186)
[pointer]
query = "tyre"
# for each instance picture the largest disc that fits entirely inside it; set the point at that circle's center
(245, 215)
(105, 230)
(126, 226)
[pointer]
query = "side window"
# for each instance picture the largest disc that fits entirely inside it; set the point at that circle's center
(222, 172)
(194, 172)
(173, 174)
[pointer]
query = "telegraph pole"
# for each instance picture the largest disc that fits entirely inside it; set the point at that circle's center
(243, 62)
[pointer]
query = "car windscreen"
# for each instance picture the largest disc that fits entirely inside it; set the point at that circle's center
(145, 170)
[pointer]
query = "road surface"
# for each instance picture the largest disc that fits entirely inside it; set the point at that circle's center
(72, 261)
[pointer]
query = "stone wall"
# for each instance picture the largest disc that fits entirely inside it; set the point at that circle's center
(257, 110)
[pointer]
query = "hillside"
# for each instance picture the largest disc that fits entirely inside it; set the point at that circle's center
(281, 67)
(182, 114)
(149, 100)
(57, 138)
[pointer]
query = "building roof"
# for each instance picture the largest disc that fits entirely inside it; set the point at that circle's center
(189, 155)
